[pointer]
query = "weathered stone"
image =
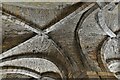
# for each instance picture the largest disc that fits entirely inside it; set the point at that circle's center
(111, 54)
(60, 43)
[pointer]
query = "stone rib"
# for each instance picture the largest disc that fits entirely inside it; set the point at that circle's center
(37, 64)
(35, 44)
(20, 71)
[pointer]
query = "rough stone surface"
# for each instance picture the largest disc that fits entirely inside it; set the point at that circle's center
(39, 15)
(37, 64)
(58, 43)
(111, 54)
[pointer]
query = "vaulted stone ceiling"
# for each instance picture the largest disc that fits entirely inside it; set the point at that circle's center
(59, 40)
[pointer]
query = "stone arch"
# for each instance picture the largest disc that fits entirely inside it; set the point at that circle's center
(38, 64)
(9, 69)
(76, 34)
(57, 61)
